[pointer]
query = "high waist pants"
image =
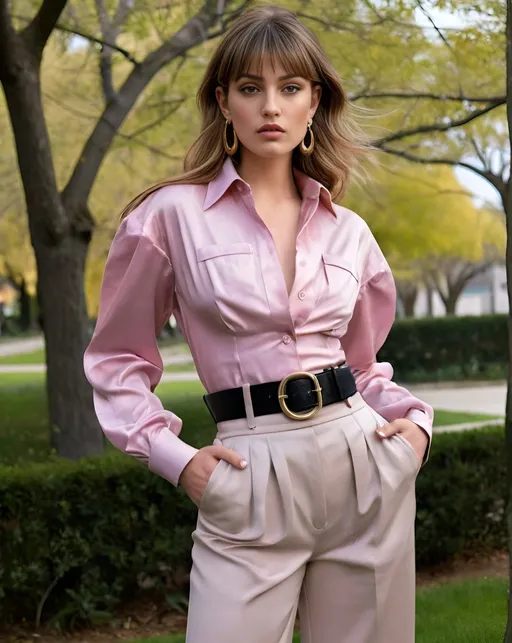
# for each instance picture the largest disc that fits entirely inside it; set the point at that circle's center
(321, 521)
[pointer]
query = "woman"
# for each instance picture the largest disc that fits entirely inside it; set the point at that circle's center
(307, 496)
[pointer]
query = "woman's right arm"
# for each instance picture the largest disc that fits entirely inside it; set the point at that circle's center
(123, 363)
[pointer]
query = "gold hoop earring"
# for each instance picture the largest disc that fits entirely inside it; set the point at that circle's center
(230, 150)
(308, 149)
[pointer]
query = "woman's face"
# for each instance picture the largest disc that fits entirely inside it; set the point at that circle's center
(272, 98)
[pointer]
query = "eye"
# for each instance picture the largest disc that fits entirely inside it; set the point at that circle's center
(295, 89)
(248, 87)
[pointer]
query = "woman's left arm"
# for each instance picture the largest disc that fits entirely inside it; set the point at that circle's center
(374, 314)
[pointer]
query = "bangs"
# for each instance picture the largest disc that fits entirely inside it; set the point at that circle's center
(267, 41)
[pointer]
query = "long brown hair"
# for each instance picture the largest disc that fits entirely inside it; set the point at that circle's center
(276, 32)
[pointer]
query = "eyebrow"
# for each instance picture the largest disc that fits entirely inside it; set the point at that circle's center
(254, 77)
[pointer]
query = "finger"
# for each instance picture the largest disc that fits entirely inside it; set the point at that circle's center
(223, 453)
(386, 430)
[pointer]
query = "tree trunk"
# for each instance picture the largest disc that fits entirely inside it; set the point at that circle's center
(508, 409)
(450, 302)
(430, 299)
(407, 294)
(74, 426)
(60, 237)
(25, 307)
(409, 302)
(507, 206)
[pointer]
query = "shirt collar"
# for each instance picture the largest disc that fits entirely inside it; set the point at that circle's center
(308, 187)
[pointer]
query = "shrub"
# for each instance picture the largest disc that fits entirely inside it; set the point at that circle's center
(448, 348)
(78, 538)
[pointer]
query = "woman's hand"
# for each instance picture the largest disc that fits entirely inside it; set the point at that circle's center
(413, 433)
(197, 472)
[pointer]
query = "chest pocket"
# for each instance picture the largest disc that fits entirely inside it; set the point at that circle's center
(237, 285)
(339, 293)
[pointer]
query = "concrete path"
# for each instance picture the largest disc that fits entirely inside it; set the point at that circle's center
(482, 398)
(19, 346)
(170, 356)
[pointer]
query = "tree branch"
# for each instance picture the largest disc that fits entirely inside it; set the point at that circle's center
(435, 27)
(8, 35)
(495, 181)
(331, 26)
(441, 127)
(107, 33)
(428, 95)
(479, 152)
(41, 27)
(151, 148)
(90, 38)
(194, 32)
(145, 128)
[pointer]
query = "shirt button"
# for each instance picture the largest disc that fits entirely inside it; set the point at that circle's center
(302, 294)
(286, 339)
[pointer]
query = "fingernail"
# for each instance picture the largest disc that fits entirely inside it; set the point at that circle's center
(381, 433)
(243, 464)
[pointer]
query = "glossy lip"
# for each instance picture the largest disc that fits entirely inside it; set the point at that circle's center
(271, 133)
(271, 127)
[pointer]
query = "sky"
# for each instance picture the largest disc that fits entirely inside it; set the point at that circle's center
(479, 187)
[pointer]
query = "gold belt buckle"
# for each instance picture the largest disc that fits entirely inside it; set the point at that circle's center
(281, 394)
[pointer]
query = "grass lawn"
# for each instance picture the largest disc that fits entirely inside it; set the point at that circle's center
(35, 357)
(470, 611)
(23, 425)
(443, 418)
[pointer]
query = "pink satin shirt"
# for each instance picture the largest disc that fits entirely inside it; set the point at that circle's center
(202, 253)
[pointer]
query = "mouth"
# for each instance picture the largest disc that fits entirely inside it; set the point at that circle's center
(271, 128)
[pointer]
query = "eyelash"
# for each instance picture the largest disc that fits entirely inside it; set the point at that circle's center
(242, 89)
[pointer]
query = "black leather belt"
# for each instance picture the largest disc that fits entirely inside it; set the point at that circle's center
(299, 395)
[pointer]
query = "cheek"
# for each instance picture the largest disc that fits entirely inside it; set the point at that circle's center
(299, 110)
(243, 114)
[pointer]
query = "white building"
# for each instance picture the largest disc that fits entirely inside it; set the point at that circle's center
(483, 295)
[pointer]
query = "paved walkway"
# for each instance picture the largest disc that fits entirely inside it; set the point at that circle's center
(19, 346)
(485, 398)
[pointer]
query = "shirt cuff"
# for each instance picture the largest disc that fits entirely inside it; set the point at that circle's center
(170, 455)
(422, 420)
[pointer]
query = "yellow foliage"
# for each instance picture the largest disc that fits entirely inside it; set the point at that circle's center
(422, 212)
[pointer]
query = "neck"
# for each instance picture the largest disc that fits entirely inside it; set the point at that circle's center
(268, 177)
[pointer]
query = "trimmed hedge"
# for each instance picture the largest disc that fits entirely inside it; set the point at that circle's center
(448, 348)
(87, 535)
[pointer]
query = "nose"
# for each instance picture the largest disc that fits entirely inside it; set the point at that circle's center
(271, 105)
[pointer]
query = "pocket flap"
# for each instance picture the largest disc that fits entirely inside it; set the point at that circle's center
(216, 250)
(336, 260)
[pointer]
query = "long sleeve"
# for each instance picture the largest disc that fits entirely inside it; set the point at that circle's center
(373, 316)
(123, 363)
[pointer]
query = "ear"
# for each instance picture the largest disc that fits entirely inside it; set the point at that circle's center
(316, 94)
(222, 99)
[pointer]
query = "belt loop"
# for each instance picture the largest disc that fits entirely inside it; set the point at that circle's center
(335, 370)
(249, 411)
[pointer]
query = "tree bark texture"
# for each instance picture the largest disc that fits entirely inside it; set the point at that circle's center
(74, 429)
(408, 293)
(507, 205)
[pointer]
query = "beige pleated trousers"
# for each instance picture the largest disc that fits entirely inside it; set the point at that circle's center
(321, 521)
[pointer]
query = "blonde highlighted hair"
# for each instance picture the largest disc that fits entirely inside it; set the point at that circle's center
(274, 32)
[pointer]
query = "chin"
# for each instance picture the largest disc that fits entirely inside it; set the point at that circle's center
(270, 151)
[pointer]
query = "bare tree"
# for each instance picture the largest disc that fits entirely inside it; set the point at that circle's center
(407, 291)
(449, 276)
